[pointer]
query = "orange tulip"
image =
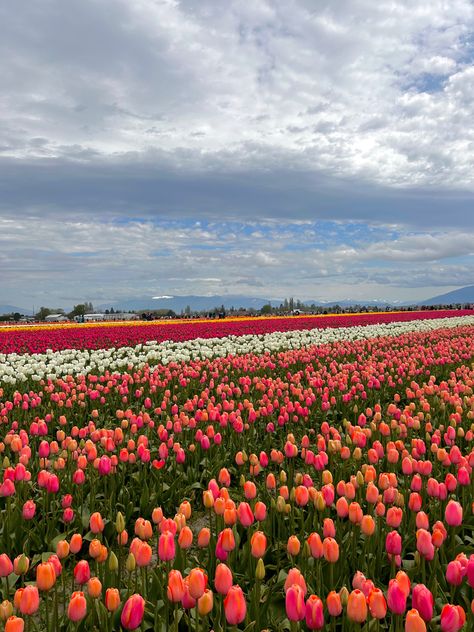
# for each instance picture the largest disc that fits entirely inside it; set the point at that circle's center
(205, 603)
(258, 544)
(14, 624)
(414, 623)
(294, 546)
(112, 599)
(367, 525)
(96, 523)
(176, 589)
(185, 538)
(204, 537)
(62, 549)
(357, 606)
(197, 581)
(29, 600)
(45, 576)
(333, 602)
(94, 587)
(76, 543)
(330, 550)
(377, 603)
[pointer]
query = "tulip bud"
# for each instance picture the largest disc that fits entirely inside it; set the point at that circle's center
(130, 563)
(113, 562)
(260, 570)
(344, 595)
(6, 610)
(119, 522)
(21, 565)
(280, 505)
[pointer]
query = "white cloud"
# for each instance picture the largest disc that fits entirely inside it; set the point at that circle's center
(321, 85)
(61, 263)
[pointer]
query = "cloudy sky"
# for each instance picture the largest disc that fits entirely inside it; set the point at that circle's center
(316, 148)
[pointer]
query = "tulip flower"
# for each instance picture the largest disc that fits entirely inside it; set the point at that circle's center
(414, 622)
(223, 579)
(294, 603)
(205, 603)
(166, 546)
(46, 576)
(330, 550)
(29, 600)
(77, 608)
(393, 543)
(453, 513)
(333, 603)
(423, 602)
(133, 612)
(235, 607)
(175, 589)
(396, 597)
(357, 606)
(112, 599)
(96, 523)
(6, 565)
(258, 544)
(293, 546)
(314, 613)
(377, 604)
(14, 624)
(82, 572)
(452, 618)
(197, 579)
(295, 577)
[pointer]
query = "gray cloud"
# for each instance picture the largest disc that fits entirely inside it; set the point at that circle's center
(116, 115)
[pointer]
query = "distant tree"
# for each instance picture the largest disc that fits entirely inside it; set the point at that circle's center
(16, 316)
(291, 304)
(266, 309)
(286, 305)
(81, 309)
(43, 312)
(187, 310)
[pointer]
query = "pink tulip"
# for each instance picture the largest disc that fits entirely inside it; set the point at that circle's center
(132, 613)
(294, 603)
(423, 601)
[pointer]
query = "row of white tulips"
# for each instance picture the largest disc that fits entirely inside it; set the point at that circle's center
(17, 368)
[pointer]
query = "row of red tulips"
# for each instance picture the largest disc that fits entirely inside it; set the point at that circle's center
(29, 340)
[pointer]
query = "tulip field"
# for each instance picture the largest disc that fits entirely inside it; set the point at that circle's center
(300, 473)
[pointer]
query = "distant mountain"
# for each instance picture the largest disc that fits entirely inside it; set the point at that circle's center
(463, 295)
(208, 303)
(352, 303)
(11, 309)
